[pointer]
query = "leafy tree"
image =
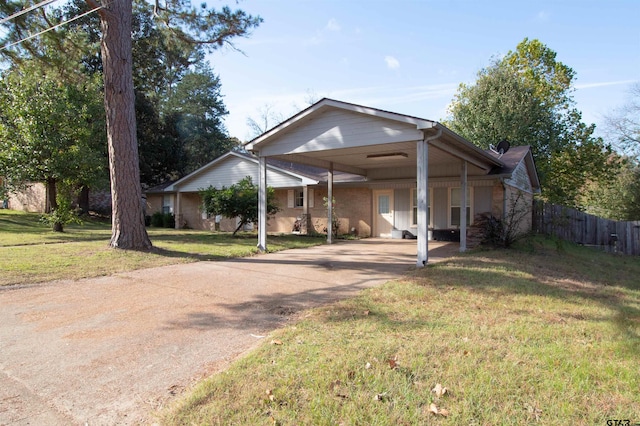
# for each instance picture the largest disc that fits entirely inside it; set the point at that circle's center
(198, 110)
(525, 98)
(179, 108)
(239, 200)
(206, 27)
(618, 199)
(49, 131)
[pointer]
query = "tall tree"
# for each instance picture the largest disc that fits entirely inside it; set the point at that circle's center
(525, 97)
(198, 110)
(206, 27)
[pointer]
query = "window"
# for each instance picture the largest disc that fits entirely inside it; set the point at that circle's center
(167, 204)
(414, 207)
(295, 198)
(454, 202)
(384, 206)
(299, 198)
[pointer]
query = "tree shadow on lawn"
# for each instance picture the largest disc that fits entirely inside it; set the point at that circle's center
(501, 274)
(568, 278)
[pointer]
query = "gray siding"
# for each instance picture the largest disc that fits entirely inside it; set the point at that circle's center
(440, 208)
(335, 129)
(232, 170)
(402, 206)
(520, 178)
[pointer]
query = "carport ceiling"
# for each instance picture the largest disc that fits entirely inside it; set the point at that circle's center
(375, 159)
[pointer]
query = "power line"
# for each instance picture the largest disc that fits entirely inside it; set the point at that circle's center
(6, 46)
(27, 10)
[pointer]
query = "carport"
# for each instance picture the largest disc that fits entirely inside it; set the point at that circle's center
(377, 144)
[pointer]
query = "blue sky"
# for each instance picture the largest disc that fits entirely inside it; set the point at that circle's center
(409, 56)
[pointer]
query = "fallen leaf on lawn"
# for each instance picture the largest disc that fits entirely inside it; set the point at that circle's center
(276, 342)
(433, 408)
(366, 312)
(270, 394)
(380, 397)
(439, 390)
(393, 362)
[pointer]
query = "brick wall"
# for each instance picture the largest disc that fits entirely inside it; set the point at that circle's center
(31, 199)
(352, 206)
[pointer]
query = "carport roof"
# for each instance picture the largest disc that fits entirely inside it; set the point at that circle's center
(354, 138)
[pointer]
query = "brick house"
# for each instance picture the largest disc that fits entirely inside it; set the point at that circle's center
(376, 164)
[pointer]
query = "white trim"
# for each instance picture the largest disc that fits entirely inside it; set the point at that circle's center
(376, 194)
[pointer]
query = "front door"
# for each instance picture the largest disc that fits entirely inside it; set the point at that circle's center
(383, 213)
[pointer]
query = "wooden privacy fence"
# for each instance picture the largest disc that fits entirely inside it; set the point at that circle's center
(582, 228)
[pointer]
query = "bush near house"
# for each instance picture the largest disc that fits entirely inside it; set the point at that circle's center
(163, 220)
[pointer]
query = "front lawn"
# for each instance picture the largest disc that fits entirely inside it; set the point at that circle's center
(30, 252)
(547, 333)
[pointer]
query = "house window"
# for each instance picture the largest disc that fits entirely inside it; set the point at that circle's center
(414, 207)
(167, 204)
(384, 205)
(454, 202)
(295, 198)
(299, 198)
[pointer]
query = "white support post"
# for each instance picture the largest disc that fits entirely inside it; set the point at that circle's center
(463, 206)
(262, 205)
(330, 204)
(422, 188)
(177, 214)
(304, 228)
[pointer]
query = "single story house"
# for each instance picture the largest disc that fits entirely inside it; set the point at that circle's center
(383, 174)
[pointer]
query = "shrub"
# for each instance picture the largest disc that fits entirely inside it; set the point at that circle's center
(157, 219)
(168, 220)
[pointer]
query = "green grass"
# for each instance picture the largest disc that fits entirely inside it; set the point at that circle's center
(30, 252)
(546, 333)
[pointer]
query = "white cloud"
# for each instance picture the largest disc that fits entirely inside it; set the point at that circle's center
(333, 25)
(392, 63)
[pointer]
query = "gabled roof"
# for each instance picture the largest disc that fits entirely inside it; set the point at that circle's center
(174, 186)
(512, 159)
(420, 123)
(345, 136)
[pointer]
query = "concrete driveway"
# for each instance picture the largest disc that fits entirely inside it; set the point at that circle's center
(112, 350)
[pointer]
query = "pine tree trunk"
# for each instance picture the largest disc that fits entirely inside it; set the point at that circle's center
(128, 231)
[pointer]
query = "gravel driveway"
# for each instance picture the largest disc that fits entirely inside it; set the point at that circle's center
(112, 350)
